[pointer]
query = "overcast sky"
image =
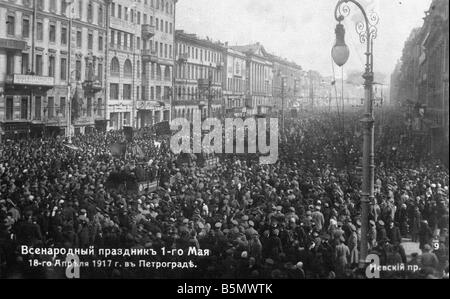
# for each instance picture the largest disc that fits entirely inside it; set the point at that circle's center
(303, 30)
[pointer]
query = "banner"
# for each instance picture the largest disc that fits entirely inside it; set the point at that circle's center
(162, 128)
(118, 149)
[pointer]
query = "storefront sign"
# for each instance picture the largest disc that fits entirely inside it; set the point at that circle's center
(33, 80)
(12, 44)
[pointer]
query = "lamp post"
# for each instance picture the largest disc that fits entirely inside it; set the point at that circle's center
(367, 33)
(69, 105)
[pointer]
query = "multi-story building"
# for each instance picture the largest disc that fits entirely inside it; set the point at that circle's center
(140, 56)
(46, 46)
(235, 84)
(286, 82)
(420, 83)
(199, 76)
(259, 75)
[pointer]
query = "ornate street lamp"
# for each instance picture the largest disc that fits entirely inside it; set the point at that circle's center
(367, 32)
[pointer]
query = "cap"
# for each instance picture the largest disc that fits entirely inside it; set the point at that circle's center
(218, 225)
(251, 223)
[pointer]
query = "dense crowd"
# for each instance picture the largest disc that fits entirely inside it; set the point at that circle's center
(298, 218)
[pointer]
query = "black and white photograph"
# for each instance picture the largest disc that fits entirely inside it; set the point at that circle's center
(247, 141)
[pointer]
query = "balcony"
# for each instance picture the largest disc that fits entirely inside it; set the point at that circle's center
(148, 31)
(92, 86)
(149, 55)
(21, 81)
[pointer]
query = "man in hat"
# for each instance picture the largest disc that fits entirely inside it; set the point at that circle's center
(318, 218)
(381, 231)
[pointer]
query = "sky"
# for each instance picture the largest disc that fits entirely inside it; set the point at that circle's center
(303, 30)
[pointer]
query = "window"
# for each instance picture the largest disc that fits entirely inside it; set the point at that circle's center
(89, 107)
(79, 39)
(127, 91)
(52, 33)
(170, 28)
(90, 12)
(62, 106)
(52, 5)
(114, 91)
(25, 63)
(64, 7)
(10, 63)
(100, 15)
(127, 68)
(37, 107)
(157, 24)
(25, 28)
(9, 108)
(63, 68)
(99, 71)
(40, 4)
(90, 41)
(24, 108)
(51, 107)
(115, 67)
(167, 27)
(161, 49)
(125, 40)
(64, 35)
(51, 66)
(119, 11)
(99, 107)
(170, 51)
(119, 38)
(39, 64)
(80, 9)
(100, 43)
(139, 18)
(162, 25)
(165, 51)
(40, 31)
(78, 68)
(125, 14)
(113, 9)
(113, 37)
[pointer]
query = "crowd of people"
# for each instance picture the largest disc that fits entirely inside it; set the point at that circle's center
(298, 218)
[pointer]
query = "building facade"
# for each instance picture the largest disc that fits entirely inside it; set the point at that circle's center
(141, 59)
(420, 83)
(286, 82)
(199, 76)
(235, 83)
(259, 75)
(45, 47)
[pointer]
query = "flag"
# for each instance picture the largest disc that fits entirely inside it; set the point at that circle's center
(157, 144)
(118, 149)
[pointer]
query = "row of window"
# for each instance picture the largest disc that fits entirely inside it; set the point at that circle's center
(81, 8)
(195, 72)
(91, 70)
(193, 93)
(236, 85)
(50, 111)
(199, 53)
(52, 32)
(119, 11)
(124, 40)
(155, 92)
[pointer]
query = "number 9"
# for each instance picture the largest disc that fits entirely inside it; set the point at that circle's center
(435, 245)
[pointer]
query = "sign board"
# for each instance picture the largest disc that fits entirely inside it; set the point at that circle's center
(151, 186)
(33, 80)
(12, 44)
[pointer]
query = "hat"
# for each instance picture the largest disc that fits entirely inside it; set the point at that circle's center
(358, 222)
(244, 254)
(251, 223)
(317, 208)
(83, 211)
(299, 265)
(381, 222)
(292, 209)
(245, 218)
(218, 225)
(372, 222)
(234, 222)
(269, 261)
(279, 208)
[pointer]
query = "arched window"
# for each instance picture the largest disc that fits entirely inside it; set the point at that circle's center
(127, 68)
(115, 67)
(167, 74)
